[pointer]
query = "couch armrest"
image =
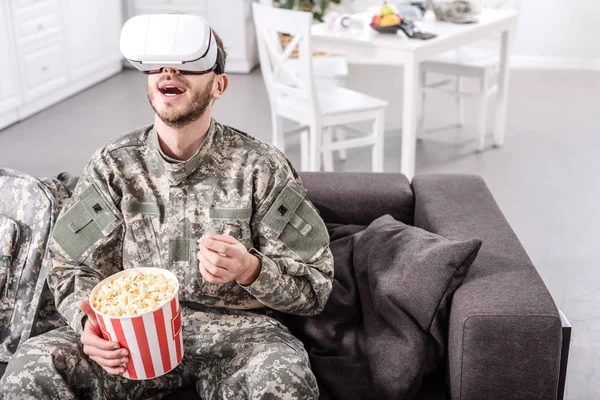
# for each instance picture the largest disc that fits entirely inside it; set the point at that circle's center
(504, 338)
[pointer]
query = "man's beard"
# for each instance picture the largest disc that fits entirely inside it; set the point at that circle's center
(199, 101)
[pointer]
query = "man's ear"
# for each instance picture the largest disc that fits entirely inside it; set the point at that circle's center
(221, 84)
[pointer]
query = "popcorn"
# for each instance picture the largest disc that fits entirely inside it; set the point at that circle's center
(134, 294)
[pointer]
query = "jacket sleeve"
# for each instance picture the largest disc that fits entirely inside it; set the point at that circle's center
(86, 241)
(297, 265)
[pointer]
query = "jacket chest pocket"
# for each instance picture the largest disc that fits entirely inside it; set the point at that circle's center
(141, 248)
(234, 222)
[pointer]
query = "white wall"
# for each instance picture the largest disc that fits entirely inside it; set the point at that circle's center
(558, 33)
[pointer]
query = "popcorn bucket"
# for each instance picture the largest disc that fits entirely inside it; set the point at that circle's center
(154, 338)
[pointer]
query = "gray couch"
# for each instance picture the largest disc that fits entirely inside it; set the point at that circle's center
(505, 338)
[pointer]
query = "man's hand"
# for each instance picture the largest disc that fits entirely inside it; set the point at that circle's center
(109, 355)
(224, 259)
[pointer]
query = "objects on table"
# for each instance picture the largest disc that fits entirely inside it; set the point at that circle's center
(388, 21)
(458, 11)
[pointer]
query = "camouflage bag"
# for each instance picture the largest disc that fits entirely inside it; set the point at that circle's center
(28, 209)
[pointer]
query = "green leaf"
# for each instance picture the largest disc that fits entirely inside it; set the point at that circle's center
(287, 4)
(306, 5)
(322, 4)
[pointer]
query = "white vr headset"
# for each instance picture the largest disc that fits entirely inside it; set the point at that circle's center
(181, 41)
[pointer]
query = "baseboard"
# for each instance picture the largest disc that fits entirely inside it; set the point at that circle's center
(8, 118)
(532, 62)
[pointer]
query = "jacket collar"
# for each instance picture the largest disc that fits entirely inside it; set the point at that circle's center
(175, 170)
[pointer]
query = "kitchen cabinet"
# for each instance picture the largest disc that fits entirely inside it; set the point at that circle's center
(9, 89)
(55, 49)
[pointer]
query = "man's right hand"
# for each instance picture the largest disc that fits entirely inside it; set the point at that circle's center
(109, 355)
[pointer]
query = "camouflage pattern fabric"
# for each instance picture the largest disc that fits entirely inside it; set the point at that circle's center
(32, 206)
(134, 207)
(227, 355)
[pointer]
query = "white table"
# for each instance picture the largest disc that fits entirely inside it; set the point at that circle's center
(370, 46)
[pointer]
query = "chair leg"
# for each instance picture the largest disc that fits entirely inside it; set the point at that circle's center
(327, 154)
(421, 123)
(304, 150)
(340, 136)
(378, 132)
(278, 138)
(316, 129)
(459, 101)
(482, 121)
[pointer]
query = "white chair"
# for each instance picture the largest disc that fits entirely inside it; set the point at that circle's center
(328, 70)
(463, 63)
(479, 62)
(293, 94)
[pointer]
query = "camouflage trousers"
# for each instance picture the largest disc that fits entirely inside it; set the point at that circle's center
(227, 355)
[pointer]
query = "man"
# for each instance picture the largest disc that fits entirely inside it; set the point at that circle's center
(223, 211)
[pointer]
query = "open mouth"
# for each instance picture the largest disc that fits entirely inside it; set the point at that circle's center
(171, 89)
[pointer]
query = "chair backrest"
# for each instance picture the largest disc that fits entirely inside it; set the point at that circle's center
(269, 3)
(281, 80)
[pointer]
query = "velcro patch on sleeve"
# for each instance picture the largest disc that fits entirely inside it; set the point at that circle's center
(297, 223)
(82, 226)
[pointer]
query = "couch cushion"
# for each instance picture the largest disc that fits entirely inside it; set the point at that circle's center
(385, 325)
(359, 198)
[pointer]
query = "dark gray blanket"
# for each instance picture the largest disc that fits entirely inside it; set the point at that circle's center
(383, 327)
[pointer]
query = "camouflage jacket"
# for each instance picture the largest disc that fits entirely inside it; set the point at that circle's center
(133, 206)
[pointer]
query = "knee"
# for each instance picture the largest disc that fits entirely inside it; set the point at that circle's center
(285, 376)
(289, 385)
(39, 354)
(23, 368)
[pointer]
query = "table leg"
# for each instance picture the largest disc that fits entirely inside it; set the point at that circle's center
(409, 117)
(502, 97)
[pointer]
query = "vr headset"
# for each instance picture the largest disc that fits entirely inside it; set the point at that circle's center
(180, 41)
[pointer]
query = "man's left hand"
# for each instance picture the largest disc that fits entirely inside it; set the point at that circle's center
(224, 259)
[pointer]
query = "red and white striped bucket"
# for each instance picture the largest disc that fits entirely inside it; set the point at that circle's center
(154, 339)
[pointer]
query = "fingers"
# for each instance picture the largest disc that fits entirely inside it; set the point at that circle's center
(210, 277)
(105, 354)
(214, 271)
(110, 362)
(114, 370)
(93, 339)
(222, 238)
(215, 259)
(216, 246)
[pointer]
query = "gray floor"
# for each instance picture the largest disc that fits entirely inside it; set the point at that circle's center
(544, 178)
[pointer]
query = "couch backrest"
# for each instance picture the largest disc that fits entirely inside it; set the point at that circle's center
(359, 198)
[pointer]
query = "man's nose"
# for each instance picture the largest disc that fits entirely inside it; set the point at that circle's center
(170, 70)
